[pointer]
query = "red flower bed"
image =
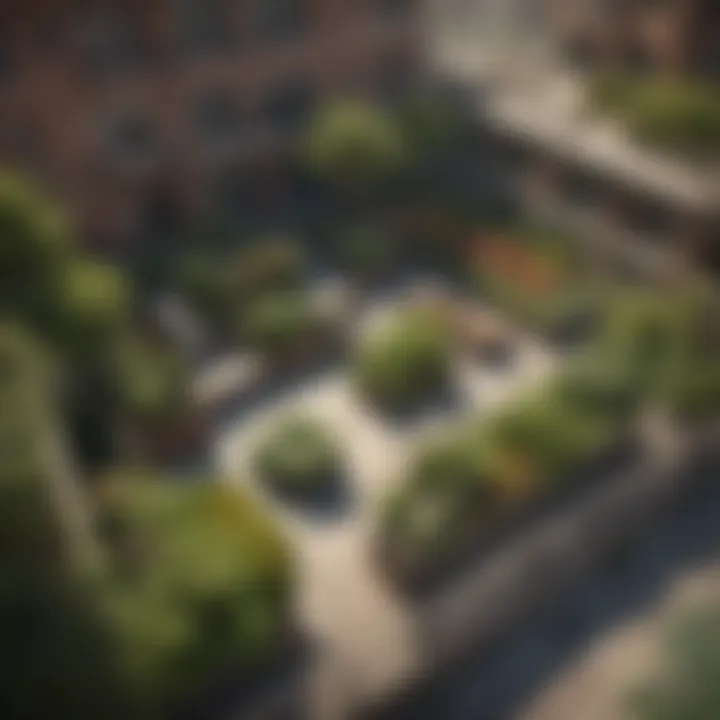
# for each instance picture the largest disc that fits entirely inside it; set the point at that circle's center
(517, 264)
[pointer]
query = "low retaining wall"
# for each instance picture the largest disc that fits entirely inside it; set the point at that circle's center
(473, 613)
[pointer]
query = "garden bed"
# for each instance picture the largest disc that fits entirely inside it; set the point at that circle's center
(536, 281)
(418, 576)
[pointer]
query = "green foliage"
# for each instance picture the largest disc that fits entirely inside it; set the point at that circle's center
(278, 322)
(94, 307)
(216, 283)
(688, 688)
(299, 456)
(273, 264)
(151, 380)
(76, 305)
(611, 91)
(366, 250)
(677, 116)
(34, 236)
(55, 654)
(672, 114)
(354, 143)
(663, 344)
(201, 584)
(431, 124)
(406, 364)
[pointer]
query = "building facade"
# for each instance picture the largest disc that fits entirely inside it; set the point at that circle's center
(550, 151)
(138, 111)
(679, 37)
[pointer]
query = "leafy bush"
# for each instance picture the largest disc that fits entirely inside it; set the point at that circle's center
(610, 91)
(676, 115)
(679, 116)
(405, 365)
(601, 388)
(299, 457)
(367, 251)
(94, 307)
(267, 265)
(278, 322)
(200, 584)
(354, 143)
(152, 381)
(543, 440)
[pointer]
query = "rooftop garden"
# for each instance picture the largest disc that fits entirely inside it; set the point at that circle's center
(675, 115)
(651, 351)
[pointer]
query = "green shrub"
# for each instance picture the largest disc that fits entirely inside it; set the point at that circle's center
(405, 365)
(366, 250)
(200, 584)
(600, 387)
(611, 91)
(151, 379)
(354, 143)
(278, 322)
(676, 115)
(299, 456)
(680, 116)
(268, 265)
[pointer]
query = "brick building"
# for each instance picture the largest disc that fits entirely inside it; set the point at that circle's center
(139, 110)
(666, 36)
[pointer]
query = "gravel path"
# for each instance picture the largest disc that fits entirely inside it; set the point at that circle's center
(366, 631)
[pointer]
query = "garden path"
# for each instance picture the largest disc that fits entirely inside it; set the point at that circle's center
(367, 633)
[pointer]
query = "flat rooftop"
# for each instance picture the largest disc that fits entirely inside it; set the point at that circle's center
(540, 104)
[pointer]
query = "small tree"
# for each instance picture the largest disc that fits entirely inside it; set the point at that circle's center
(200, 584)
(355, 144)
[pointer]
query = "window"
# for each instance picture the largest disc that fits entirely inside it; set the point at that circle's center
(206, 26)
(289, 107)
(133, 141)
(217, 119)
(282, 19)
(109, 41)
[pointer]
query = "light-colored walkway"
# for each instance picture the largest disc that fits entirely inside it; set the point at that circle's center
(367, 632)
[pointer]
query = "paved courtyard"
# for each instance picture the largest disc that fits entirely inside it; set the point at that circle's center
(366, 631)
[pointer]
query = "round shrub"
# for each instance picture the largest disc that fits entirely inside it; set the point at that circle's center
(407, 364)
(298, 457)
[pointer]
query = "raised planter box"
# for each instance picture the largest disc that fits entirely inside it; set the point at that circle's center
(423, 576)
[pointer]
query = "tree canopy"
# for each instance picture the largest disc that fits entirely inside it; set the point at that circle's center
(355, 143)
